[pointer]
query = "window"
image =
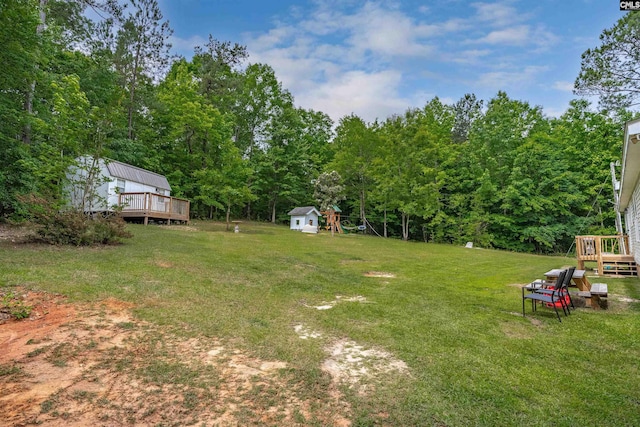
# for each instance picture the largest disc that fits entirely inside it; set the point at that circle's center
(297, 222)
(119, 185)
(310, 222)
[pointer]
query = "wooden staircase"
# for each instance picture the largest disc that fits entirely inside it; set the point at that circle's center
(610, 252)
(618, 266)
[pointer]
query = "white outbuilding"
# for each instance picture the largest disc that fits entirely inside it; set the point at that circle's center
(98, 185)
(304, 216)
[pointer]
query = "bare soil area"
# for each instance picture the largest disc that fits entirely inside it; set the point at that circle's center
(79, 365)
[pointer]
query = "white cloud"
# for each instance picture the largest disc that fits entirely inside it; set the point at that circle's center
(185, 47)
(473, 56)
(563, 86)
(272, 38)
(501, 80)
(521, 35)
(510, 36)
(498, 14)
(388, 32)
(369, 95)
(352, 57)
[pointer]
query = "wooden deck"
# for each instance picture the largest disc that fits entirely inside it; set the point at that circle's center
(153, 206)
(610, 252)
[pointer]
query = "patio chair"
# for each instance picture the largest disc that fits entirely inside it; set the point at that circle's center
(552, 299)
(566, 299)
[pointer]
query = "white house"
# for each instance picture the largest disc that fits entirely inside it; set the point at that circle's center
(97, 185)
(306, 215)
(629, 194)
(99, 182)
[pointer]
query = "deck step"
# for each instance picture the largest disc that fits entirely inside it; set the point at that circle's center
(619, 268)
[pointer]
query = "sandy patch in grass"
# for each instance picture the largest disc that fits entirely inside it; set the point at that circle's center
(179, 227)
(78, 364)
(624, 299)
(339, 298)
(163, 264)
(356, 366)
(306, 333)
(379, 274)
(517, 285)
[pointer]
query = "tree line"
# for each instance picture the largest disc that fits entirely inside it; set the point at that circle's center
(230, 138)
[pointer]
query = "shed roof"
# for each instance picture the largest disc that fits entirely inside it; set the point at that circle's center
(132, 173)
(304, 210)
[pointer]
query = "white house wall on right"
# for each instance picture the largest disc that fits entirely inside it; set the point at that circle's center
(629, 194)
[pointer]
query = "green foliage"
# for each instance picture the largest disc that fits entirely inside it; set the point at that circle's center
(328, 190)
(354, 149)
(13, 305)
(73, 227)
(610, 70)
(230, 139)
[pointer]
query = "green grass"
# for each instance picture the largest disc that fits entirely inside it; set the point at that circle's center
(452, 314)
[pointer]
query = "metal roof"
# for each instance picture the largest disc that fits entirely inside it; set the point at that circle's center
(304, 210)
(136, 174)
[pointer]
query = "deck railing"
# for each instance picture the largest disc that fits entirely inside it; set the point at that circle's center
(151, 205)
(596, 248)
(589, 247)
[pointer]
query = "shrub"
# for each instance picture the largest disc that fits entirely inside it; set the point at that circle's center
(14, 306)
(73, 227)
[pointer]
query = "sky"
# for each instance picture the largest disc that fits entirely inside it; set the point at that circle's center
(379, 58)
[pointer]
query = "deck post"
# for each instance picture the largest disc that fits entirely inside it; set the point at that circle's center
(600, 248)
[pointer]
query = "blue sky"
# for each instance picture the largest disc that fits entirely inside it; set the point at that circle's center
(377, 58)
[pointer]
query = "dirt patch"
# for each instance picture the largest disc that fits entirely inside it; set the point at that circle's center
(517, 285)
(379, 274)
(164, 264)
(14, 234)
(339, 298)
(305, 333)
(356, 366)
(75, 364)
(624, 299)
(178, 227)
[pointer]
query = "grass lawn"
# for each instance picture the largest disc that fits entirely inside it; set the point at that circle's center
(453, 315)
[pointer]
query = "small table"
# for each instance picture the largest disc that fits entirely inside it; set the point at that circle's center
(579, 278)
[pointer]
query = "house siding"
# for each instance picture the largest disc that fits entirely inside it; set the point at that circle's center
(299, 221)
(632, 221)
(107, 190)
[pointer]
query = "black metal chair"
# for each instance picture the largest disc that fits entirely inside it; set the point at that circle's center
(551, 299)
(564, 290)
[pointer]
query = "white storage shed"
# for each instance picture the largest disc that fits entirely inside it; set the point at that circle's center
(305, 215)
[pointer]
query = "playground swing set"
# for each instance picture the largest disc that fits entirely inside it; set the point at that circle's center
(335, 224)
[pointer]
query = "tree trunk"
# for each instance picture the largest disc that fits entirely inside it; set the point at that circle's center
(273, 211)
(28, 103)
(385, 222)
(405, 227)
(363, 216)
(249, 210)
(331, 216)
(132, 90)
(228, 215)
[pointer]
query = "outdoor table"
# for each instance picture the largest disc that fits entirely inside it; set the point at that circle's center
(579, 278)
